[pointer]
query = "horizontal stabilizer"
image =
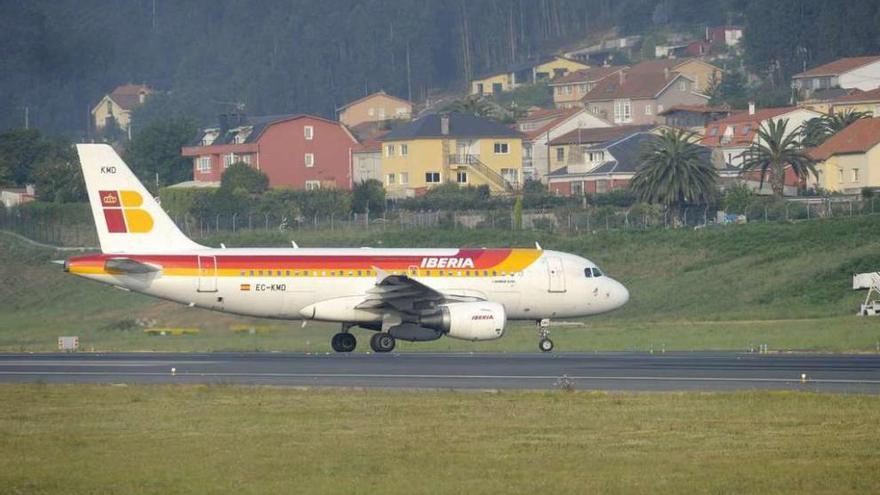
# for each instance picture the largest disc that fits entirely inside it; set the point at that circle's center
(129, 266)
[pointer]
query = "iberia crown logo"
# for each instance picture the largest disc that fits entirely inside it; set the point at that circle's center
(123, 214)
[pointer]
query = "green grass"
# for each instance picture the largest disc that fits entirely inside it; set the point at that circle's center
(784, 285)
(75, 439)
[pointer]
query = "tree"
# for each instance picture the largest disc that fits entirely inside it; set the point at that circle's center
(242, 176)
(57, 176)
(674, 171)
(368, 195)
(817, 130)
(20, 151)
(774, 150)
(475, 105)
(156, 150)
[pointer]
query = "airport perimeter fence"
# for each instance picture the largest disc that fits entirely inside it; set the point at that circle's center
(75, 226)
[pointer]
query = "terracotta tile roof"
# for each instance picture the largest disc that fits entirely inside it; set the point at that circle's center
(858, 137)
(839, 66)
(587, 75)
(635, 85)
(369, 146)
(871, 96)
(128, 96)
(562, 116)
(598, 134)
(744, 126)
(543, 113)
(365, 98)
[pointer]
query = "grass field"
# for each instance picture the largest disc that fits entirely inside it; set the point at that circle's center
(225, 439)
(784, 285)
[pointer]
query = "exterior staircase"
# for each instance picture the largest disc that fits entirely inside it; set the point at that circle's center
(492, 177)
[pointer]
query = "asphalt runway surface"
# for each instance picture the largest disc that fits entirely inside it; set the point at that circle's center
(588, 371)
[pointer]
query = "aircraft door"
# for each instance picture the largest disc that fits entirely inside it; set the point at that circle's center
(207, 274)
(556, 274)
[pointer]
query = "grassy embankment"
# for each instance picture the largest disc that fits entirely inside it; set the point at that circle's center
(785, 285)
(218, 439)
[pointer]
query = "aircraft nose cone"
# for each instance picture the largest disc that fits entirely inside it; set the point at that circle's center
(619, 294)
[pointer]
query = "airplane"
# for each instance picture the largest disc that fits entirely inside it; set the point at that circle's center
(402, 294)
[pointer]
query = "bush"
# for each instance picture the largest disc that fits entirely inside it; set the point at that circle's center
(243, 176)
(369, 196)
(737, 199)
(618, 197)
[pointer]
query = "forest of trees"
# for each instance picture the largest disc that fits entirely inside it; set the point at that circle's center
(274, 56)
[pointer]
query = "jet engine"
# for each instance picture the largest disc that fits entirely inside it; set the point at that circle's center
(472, 321)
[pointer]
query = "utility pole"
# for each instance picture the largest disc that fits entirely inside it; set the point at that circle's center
(408, 75)
(27, 117)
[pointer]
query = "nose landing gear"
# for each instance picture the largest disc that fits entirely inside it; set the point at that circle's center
(544, 342)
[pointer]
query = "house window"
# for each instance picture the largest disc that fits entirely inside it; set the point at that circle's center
(480, 88)
(371, 111)
(597, 156)
(389, 150)
(313, 185)
(577, 188)
(659, 108)
(601, 186)
(582, 88)
(511, 175)
(497, 88)
(560, 154)
(204, 164)
(382, 113)
(501, 148)
(682, 85)
(309, 132)
(391, 179)
(713, 131)
(309, 159)
(649, 110)
(228, 159)
(404, 178)
(109, 107)
(747, 129)
(461, 177)
(622, 111)
(404, 149)
(840, 175)
(401, 112)
(246, 158)
(568, 90)
(432, 177)
(855, 175)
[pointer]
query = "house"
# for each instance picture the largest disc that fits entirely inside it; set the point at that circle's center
(822, 100)
(574, 147)
(11, 197)
(451, 148)
(603, 53)
(730, 137)
(850, 160)
(728, 35)
(298, 151)
(118, 104)
(366, 161)
(858, 101)
(694, 117)
(637, 97)
(376, 107)
(849, 73)
(702, 73)
(541, 127)
(604, 167)
(571, 88)
(670, 51)
(528, 72)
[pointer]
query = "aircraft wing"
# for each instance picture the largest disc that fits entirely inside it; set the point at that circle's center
(405, 294)
(129, 266)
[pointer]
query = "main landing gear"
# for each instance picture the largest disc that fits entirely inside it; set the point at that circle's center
(544, 342)
(382, 342)
(343, 341)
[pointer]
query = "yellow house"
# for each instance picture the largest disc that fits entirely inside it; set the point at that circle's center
(118, 105)
(866, 101)
(451, 148)
(850, 160)
(528, 72)
(703, 74)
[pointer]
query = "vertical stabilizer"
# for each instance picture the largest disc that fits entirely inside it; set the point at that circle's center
(127, 217)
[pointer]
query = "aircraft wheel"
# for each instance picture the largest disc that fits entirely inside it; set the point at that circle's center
(546, 345)
(382, 342)
(343, 342)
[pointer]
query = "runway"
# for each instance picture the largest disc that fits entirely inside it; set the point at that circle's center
(587, 371)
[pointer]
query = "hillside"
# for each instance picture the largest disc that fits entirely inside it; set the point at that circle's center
(788, 285)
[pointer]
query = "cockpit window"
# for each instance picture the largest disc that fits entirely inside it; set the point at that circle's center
(588, 272)
(596, 272)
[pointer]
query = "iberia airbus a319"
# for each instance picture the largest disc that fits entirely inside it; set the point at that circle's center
(406, 294)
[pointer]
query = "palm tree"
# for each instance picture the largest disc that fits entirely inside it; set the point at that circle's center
(817, 130)
(674, 171)
(775, 150)
(473, 105)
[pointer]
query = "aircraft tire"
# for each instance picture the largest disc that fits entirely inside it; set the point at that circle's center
(382, 342)
(546, 345)
(343, 342)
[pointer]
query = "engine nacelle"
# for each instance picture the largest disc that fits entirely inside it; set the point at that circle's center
(473, 321)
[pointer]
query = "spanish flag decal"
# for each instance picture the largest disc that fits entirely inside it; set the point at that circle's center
(123, 214)
(245, 287)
